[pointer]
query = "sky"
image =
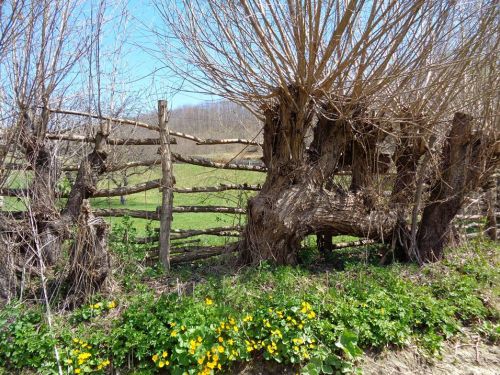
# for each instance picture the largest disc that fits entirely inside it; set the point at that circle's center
(141, 65)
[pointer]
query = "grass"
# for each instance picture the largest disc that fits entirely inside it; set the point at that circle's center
(314, 319)
(187, 175)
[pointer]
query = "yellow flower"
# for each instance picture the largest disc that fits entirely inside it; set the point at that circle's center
(183, 328)
(306, 307)
(199, 339)
(69, 361)
(161, 364)
(111, 305)
(235, 328)
(84, 356)
(277, 332)
(77, 370)
(248, 318)
(311, 315)
(221, 349)
(230, 341)
(173, 333)
(221, 339)
(201, 360)
(155, 357)
(209, 301)
(164, 354)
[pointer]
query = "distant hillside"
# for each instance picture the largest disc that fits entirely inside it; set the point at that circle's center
(210, 120)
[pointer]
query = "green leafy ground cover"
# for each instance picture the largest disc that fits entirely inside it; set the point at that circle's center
(315, 319)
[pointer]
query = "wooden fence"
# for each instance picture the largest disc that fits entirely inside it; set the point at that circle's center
(161, 243)
(168, 254)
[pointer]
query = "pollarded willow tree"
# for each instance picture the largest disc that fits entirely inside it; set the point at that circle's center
(366, 87)
(50, 49)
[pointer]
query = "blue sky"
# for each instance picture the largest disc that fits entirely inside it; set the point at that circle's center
(141, 65)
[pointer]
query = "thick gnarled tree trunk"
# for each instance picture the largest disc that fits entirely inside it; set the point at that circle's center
(460, 166)
(44, 227)
(302, 196)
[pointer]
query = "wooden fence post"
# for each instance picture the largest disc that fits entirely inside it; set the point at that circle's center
(491, 218)
(166, 185)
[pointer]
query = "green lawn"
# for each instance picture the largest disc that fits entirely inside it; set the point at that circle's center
(188, 176)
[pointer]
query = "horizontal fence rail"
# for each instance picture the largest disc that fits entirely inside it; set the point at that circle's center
(198, 140)
(109, 141)
(209, 163)
(152, 215)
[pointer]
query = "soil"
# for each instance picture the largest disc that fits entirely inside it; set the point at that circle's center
(469, 356)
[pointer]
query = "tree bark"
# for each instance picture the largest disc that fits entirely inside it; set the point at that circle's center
(491, 219)
(42, 192)
(458, 169)
(300, 196)
(90, 264)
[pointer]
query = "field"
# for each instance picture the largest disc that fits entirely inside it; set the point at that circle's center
(187, 175)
